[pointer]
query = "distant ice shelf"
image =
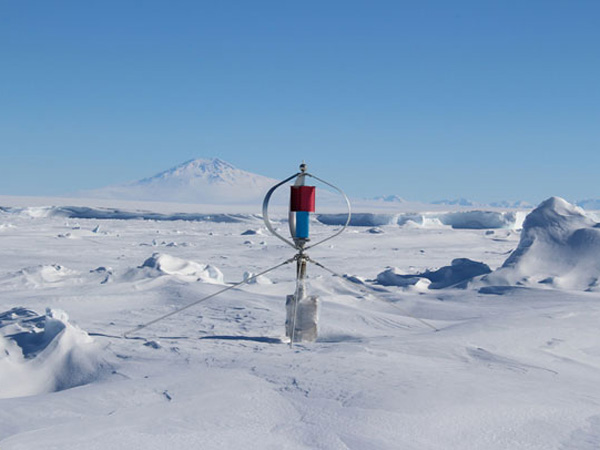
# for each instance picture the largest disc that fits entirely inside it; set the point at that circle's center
(83, 212)
(477, 220)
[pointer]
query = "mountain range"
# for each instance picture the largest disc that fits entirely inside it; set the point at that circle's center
(213, 181)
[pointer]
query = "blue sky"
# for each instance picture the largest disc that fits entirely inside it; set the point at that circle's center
(488, 100)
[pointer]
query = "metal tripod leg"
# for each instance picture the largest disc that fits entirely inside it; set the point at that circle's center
(298, 295)
(177, 311)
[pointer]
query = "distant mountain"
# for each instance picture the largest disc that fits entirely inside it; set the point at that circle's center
(390, 199)
(510, 204)
(455, 202)
(519, 204)
(208, 181)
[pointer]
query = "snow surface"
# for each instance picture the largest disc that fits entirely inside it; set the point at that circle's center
(44, 353)
(513, 366)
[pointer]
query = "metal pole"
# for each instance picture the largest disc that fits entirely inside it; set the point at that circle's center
(300, 293)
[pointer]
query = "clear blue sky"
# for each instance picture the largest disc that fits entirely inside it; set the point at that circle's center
(483, 99)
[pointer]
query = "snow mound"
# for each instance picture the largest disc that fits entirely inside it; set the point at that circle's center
(394, 276)
(33, 212)
(44, 353)
(251, 232)
(43, 275)
(161, 264)
(47, 274)
(559, 247)
(261, 279)
(457, 274)
(54, 275)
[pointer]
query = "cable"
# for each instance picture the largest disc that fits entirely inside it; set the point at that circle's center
(372, 293)
(172, 313)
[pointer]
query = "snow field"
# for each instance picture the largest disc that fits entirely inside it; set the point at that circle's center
(516, 370)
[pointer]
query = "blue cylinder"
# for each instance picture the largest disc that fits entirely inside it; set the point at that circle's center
(302, 220)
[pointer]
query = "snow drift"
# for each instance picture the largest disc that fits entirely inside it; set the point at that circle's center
(44, 353)
(160, 264)
(44, 275)
(53, 276)
(456, 274)
(261, 279)
(559, 247)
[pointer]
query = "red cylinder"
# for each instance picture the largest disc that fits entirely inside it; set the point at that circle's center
(302, 198)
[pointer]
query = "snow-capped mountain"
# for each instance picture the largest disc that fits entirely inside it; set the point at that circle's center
(209, 181)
